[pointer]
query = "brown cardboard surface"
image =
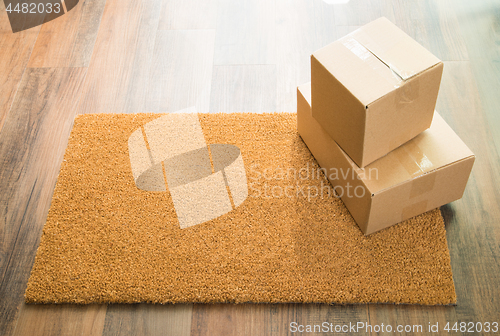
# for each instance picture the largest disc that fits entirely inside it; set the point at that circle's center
(374, 89)
(396, 49)
(108, 240)
(329, 155)
(437, 147)
(359, 71)
(428, 171)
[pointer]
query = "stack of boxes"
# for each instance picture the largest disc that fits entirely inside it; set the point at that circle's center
(368, 118)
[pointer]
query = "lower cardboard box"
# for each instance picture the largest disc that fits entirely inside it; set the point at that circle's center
(427, 172)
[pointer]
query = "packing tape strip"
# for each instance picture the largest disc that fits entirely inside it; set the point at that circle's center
(413, 159)
(418, 166)
(204, 181)
(381, 48)
(409, 90)
(371, 59)
(419, 186)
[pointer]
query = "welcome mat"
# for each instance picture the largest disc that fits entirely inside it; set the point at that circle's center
(219, 208)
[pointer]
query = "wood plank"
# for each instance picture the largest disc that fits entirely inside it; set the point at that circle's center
(70, 320)
(302, 27)
(188, 14)
(473, 235)
(267, 319)
(417, 318)
(243, 88)
(230, 319)
(360, 12)
(16, 50)
(336, 315)
(245, 32)
(146, 319)
(479, 26)
(181, 71)
(344, 30)
(4, 19)
(119, 69)
(435, 25)
(15, 53)
(69, 40)
(32, 145)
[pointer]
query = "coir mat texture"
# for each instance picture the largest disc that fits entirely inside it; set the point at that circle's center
(219, 208)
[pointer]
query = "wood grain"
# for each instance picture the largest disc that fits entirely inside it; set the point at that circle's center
(245, 32)
(188, 14)
(360, 12)
(15, 53)
(32, 145)
(302, 27)
(70, 320)
(4, 19)
(69, 40)
(434, 24)
(473, 234)
(181, 71)
(415, 317)
(266, 319)
(480, 28)
(145, 319)
(230, 319)
(243, 88)
(316, 315)
(344, 30)
(117, 79)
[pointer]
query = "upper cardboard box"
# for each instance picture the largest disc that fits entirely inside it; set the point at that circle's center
(374, 89)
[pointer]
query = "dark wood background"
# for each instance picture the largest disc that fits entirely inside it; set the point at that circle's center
(129, 56)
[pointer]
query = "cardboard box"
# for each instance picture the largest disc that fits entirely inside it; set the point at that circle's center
(428, 171)
(374, 89)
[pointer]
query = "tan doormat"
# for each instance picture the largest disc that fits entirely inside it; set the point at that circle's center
(219, 208)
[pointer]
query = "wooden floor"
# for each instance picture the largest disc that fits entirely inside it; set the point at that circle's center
(129, 56)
